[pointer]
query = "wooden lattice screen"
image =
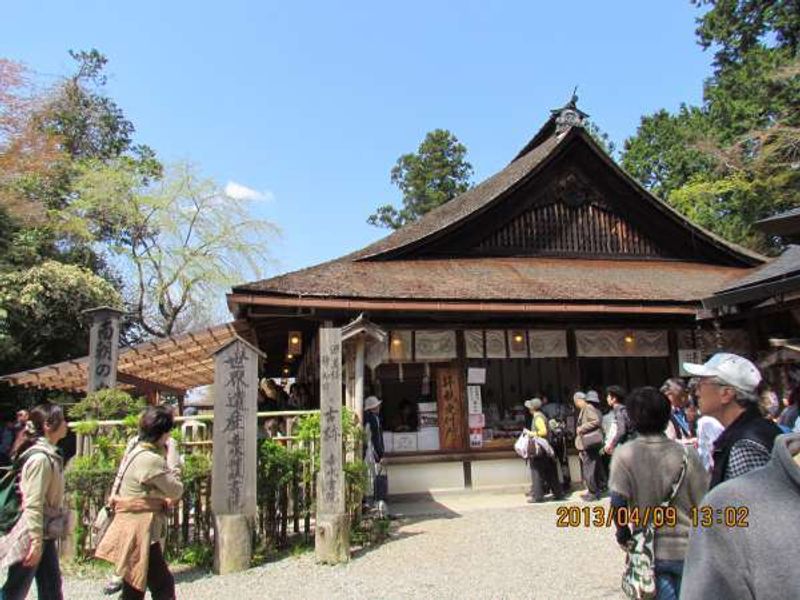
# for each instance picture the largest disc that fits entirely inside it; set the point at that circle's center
(558, 228)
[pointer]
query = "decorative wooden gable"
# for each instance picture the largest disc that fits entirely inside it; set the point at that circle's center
(561, 196)
(570, 218)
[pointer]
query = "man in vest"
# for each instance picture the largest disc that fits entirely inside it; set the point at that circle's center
(727, 392)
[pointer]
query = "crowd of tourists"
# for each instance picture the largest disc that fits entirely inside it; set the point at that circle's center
(713, 451)
(711, 456)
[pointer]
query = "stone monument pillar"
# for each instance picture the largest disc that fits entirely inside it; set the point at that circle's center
(233, 478)
(332, 541)
(103, 348)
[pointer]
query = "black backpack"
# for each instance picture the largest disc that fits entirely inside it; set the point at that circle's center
(10, 494)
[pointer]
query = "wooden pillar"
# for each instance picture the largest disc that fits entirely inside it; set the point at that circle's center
(233, 481)
(359, 393)
(103, 348)
(350, 379)
(672, 340)
(461, 365)
(332, 536)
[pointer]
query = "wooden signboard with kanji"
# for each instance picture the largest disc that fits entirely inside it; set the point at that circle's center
(451, 401)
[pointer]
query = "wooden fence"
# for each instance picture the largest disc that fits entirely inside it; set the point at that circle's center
(286, 480)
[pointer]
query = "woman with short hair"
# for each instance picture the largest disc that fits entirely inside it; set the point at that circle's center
(643, 473)
(543, 465)
(30, 546)
(147, 488)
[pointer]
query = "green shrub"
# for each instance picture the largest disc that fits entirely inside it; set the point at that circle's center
(200, 556)
(105, 404)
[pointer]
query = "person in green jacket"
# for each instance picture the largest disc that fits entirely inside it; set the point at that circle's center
(43, 514)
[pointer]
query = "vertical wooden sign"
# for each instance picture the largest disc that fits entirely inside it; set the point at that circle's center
(233, 481)
(450, 398)
(235, 393)
(332, 539)
(103, 348)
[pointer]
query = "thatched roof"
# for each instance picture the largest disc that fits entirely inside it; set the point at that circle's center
(392, 267)
(513, 279)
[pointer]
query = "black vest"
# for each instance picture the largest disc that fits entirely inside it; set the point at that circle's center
(750, 425)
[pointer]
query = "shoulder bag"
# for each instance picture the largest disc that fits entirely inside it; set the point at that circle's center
(593, 439)
(638, 578)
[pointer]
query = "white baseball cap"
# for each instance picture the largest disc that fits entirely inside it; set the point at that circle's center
(733, 369)
(535, 403)
(371, 402)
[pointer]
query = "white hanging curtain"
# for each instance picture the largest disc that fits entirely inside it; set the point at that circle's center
(434, 345)
(496, 343)
(473, 340)
(548, 344)
(620, 342)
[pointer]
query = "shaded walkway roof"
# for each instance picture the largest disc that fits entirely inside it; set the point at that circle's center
(781, 275)
(175, 364)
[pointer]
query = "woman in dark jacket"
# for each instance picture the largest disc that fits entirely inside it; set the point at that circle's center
(615, 396)
(373, 448)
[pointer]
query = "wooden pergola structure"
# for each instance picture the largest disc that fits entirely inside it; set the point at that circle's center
(172, 365)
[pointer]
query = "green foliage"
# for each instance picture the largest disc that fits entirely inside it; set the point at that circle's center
(86, 428)
(107, 404)
(353, 438)
(200, 556)
(435, 174)
(308, 428)
(662, 155)
(734, 27)
(733, 160)
(88, 481)
(196, 467)
(41, 319)
(89, 124)
(48, 275)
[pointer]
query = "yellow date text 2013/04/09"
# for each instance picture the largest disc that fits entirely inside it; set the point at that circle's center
(604, 516)
(657, 516)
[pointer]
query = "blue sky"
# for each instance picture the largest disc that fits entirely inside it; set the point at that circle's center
(312, 103)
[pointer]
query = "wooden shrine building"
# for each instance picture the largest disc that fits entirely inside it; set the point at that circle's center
(558, 273)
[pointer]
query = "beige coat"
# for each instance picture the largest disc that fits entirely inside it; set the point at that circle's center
(140, 516)
(589, 419)
(149, 477)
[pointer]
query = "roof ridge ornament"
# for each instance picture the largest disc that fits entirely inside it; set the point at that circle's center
(569, 115)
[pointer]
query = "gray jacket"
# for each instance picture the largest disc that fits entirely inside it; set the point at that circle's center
(756, 561)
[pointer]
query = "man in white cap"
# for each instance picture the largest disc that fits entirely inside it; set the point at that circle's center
(727, 391)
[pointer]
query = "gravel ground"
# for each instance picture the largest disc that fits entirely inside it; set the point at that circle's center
(506, 552)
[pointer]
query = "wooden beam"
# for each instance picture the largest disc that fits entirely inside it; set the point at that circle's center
(154, 374)
(144, 383)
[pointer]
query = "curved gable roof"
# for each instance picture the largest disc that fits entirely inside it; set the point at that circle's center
(543, 148)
